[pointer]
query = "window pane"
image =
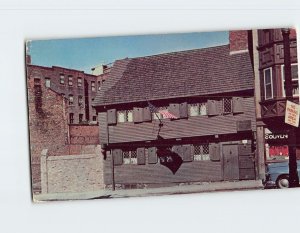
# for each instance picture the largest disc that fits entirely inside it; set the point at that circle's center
(194, 110)
(121, 116)
(267, 76)
(227, 105)
(129, 116)
(203, 110)
(48, 82)
(268, 91)
(295, 71)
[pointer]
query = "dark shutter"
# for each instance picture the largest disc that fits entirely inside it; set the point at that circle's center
(187, 153)
(141, 156)
(111, 116)
(214, 152)
(243, 125)
(174, 109)
(137, 115)
(146, 114)
(178, 149)
(183, 110)
(212, 108)
(152, 156)
(118, 156)
(237, 105)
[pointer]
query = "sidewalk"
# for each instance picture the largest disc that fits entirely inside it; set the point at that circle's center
(179, 189)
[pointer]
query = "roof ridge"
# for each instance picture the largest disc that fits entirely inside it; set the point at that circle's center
(180, 52)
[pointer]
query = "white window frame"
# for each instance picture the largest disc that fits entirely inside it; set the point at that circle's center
(130, 159)
(126, 113)
(47, 82)
(283, 79)
(271, 79)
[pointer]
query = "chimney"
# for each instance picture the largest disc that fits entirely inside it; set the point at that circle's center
(238, 41)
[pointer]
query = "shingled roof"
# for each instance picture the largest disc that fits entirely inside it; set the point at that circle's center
(179, 74)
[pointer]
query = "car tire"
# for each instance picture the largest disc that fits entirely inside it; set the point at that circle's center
(282, 182)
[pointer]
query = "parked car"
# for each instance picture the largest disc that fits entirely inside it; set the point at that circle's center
(277, 174)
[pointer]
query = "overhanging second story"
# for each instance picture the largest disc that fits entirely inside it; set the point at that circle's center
(208, 91)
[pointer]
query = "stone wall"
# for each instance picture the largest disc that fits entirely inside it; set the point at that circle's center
(72, 173)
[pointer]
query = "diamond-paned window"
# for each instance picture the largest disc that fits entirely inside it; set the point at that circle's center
(201, 152)
(129, 157)
(227, 105)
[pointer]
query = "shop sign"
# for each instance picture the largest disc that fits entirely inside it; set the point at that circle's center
(279, 151)
(274, 136)
(292, 113)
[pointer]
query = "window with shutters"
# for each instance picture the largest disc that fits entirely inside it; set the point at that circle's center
(125, 116)
(295, 84)
(227, 105)
(201, 152)
(268, 84)
(198, 109)
(129, 157)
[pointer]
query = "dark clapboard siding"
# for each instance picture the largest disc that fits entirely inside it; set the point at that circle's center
(102, 119)
(193, 126)
(157, 174)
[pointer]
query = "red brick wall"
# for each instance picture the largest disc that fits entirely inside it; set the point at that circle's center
(84, 134)
(53, 73)
(238, 40)
(48, 128)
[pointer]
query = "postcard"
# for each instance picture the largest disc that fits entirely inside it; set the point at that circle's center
(145, 115)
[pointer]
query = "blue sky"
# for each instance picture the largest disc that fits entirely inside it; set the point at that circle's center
(85, 53)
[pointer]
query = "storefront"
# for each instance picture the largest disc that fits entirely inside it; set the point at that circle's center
(276, 145)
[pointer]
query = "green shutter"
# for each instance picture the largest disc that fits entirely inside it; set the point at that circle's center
(237, 105)
(183, 110)
(152, 156)
(118, 156)
(141, 156)
(214, 152)
(212, 108)
(146, 114)
(137, 115)
(111, 116)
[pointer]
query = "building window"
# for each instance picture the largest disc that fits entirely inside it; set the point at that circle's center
(47, 82)
(201, 152)
(199, 109)
(94, 118)
(71, 118)
(99, 85)
(80, 118)
(294, 70)
(93, 86)
(62, 79)
(129, 157)
(37, 82)
(227, 105)
(79, 82)
(125, 116)
(80, 101)
(268, 84)
(70, 80)
(71, 99)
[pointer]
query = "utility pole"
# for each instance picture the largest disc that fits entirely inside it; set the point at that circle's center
(293, 175)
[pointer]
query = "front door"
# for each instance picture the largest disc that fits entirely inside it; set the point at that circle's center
(230, 162)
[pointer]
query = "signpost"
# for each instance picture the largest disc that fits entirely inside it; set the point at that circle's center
(292, 113)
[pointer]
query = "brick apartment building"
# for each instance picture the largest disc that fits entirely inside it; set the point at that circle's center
(210, 91)
(271, 98)
(78, 87)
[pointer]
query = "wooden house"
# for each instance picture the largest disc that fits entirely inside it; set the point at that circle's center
(210, 93)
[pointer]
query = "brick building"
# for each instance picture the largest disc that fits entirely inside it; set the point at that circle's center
(210, 92)
(271, 96)
(78, 87)
(48, 123)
